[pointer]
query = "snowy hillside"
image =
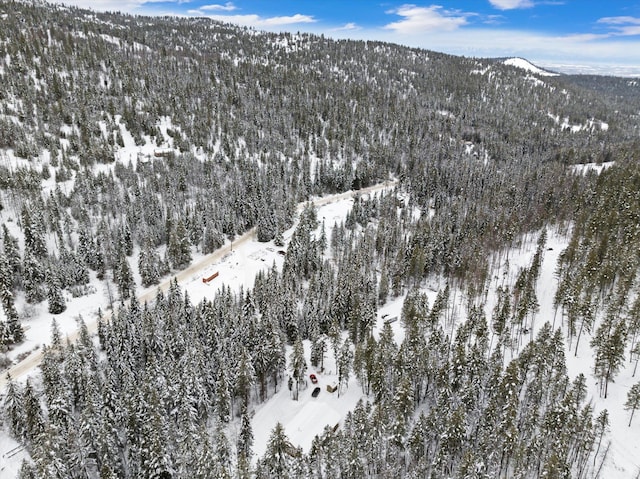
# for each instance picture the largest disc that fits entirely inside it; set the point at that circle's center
(195, 218)
(308, 417)
(527, 66)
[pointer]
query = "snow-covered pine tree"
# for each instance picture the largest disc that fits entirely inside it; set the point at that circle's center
(11, 331)
(57, 303)
(298, 366)
(633, 400)
(178, 249)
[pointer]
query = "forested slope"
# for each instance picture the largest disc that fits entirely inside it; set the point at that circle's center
(127, 144)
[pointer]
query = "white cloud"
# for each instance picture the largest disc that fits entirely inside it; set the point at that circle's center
(227, 7)
(622, 26)
(252, 20)
(105, 5)
(589, 53)
(620, 20)
(494, 20)
(347, 27)
(425, 19)
(511, 4)
(586, 37)
(126, 6)
(630, 30)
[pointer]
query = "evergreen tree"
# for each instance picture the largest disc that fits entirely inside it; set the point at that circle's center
(124, 278)
(244, 446)
(33, 278)
(27, 471)
(278, 240)
(223, 397)
(222, 453)
(148, 265)
(12, 253)
(276, 463)
(10, 332)
(178, 249)
(318, 351)
(609, 344)
(57, 303)
(633, 400)
(266, 227)
(14, 409)
(601, 427)
(345, 360)
(212, 239)
(244, 378)
(34, 232)
(298, 365)
(34, 424)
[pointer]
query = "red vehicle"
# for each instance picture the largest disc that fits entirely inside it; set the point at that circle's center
(313, 378)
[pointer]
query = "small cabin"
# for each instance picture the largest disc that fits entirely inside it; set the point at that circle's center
(162, 152)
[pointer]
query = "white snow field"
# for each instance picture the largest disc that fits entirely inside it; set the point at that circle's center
(528, 66)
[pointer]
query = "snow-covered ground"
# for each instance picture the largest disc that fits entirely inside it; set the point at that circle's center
(308, 416)
(528, 66)
(237, 265)
(305, 418)
(584, 168)
(590, 125)
(623, 456)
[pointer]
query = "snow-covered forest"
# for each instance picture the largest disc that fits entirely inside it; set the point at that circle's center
(180, 186)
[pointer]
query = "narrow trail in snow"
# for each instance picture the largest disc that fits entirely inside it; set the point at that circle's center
(32, 361)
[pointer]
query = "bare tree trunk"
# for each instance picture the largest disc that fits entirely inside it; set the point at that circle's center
(604, 457)
(575, 353)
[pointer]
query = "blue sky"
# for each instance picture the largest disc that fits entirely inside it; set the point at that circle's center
(597, 36)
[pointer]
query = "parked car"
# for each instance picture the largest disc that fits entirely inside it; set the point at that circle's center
(313, 378)
(315, 392)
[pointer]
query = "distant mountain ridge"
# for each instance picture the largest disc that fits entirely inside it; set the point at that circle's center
(69, 52)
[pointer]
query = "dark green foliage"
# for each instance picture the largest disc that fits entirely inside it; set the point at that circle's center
(298, 366)
(278, 461)
(123, 278)
(303, 253)
(609, 345)
(12, 253)
(178, 249)
(33, 278)
(212, 239)
(10, 330)
(633, 400)
(14, 410)
(33, 229)
(149, 266)
(56, 301)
